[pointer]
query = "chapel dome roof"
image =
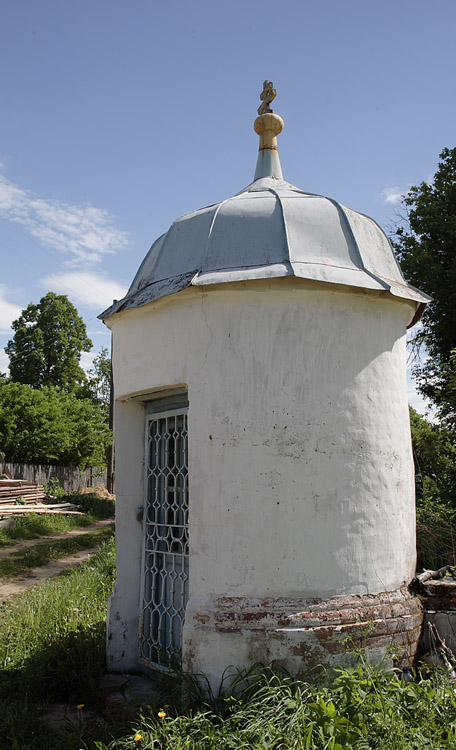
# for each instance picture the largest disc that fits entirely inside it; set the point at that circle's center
(269, 229)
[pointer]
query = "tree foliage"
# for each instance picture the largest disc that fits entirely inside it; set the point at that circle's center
(49, 426)
(434, 452)
(50, 412)
(98, 385)
(426, 248)
(47, 345)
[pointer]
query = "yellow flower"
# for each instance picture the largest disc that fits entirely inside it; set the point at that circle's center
(138, 737)
(161, 714)
(80, 707)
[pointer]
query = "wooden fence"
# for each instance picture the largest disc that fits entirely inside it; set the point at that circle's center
(71, 479)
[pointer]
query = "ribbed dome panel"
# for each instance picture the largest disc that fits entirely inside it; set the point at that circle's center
(270, 229)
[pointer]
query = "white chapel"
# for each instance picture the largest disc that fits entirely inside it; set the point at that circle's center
(265, 480)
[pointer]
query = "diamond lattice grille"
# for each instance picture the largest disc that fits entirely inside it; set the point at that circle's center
(166, 540)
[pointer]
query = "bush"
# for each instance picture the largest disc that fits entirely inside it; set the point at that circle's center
(99, 507)
(435, 535)
(49, 426)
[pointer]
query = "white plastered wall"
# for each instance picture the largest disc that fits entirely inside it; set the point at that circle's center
(300, 466)
(123, 607)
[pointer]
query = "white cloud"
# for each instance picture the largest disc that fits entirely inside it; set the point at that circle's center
(420, 404)
(4, 362)
(91, 289)
(82, 233)
(86, 360)
(415, 399)
(8, 311)
(393, 194)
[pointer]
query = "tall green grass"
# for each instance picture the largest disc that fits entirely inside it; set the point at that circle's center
(35, 525)
(52, 638)
(362, 709)
(20, 562)
(52, 648)
(97, 507)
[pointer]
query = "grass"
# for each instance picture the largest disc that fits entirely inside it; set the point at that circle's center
(47, 633)
(52, 648)
(362, 709)
(35, 525)
(52, 638)
(95, 506)
(21, 562)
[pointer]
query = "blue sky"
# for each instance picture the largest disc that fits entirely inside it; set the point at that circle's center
(118, 116)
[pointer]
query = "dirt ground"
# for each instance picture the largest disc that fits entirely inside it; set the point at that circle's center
(99, 490)
(36, 576)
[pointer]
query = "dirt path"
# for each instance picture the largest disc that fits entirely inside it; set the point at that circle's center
(54, 568)
(38, 575)
(5, 551)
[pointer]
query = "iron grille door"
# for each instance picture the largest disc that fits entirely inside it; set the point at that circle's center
(165, 588)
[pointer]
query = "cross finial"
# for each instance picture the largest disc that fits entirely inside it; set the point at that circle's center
(268, 126)
(267, 96)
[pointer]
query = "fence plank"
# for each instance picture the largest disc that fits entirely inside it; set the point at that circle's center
(70, 478)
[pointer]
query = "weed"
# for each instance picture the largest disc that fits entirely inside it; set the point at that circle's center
(52, 647)
(52, 638)
(53, 488)
(18, 563)
(362, 709)
(99, 507)
(35, 525)
(435, 535)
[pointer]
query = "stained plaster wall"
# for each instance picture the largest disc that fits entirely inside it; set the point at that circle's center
(300, 467)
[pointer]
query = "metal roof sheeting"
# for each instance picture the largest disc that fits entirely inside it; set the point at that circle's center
(270, 229)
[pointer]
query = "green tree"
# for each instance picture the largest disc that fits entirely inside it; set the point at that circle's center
(98, 385)
(426, 247)
(49, 426)
(434, 452)
(47, 345)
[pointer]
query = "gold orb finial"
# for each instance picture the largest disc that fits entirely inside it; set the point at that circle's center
(268, 126)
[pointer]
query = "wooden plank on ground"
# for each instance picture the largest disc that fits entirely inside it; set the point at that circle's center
(12, 489)
(12, 509)
(23, 510)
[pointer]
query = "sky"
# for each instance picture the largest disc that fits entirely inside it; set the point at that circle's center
(117, 117)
